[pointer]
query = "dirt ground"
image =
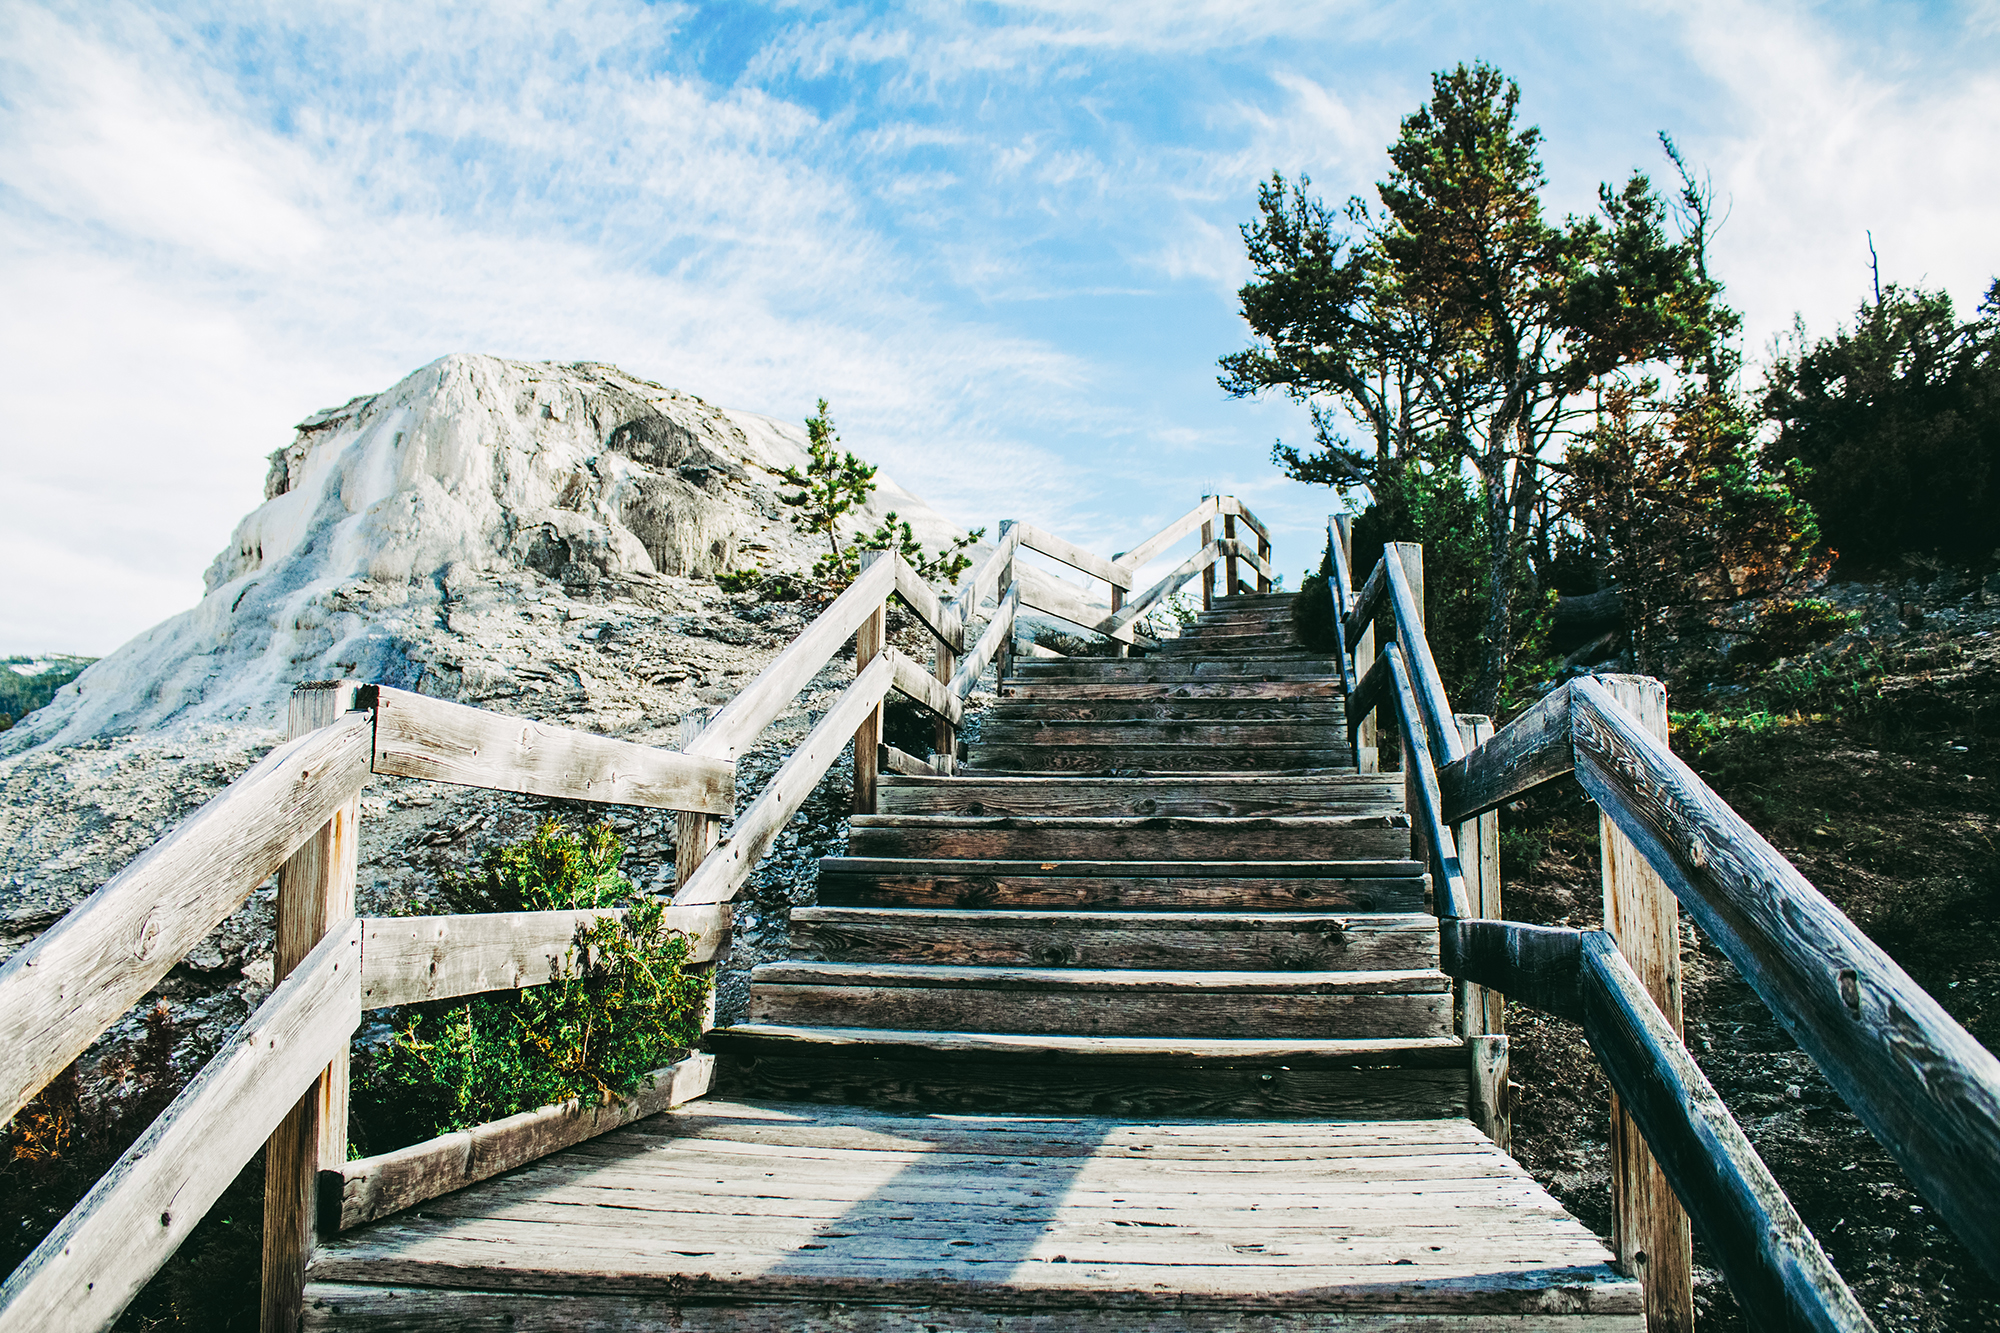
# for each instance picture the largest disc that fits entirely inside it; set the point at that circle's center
(1883, 786)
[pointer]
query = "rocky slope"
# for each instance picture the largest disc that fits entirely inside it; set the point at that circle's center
(537, 539)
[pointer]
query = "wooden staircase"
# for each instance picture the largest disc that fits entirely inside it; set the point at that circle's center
(1158, 887)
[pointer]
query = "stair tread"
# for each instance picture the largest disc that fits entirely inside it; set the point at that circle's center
(958, 866)
(1219, 921)
(1059, 823)
(1115, 981)
(1443, 1052)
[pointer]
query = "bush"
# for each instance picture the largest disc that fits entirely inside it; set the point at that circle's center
(592, 1032)
(1789, 628)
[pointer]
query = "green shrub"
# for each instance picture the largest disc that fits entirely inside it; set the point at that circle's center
(1790, 628)
(628, 1008)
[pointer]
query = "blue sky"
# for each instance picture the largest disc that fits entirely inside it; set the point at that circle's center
(1001, 238)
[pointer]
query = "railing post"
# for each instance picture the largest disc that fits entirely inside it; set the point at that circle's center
(942, 666)
(1119, 648)
(868, 642)
(1649, 1228)
(695, 836)
(1003, 661)
(1411, 554)
(1207, 571)
(315, 893)
(1482, 1013)
(1367, 750)
(1229, 561)
(1264, 554)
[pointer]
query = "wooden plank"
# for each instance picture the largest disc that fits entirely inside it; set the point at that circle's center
(1208, 570)
(725, 869)
(75, 979)
(871, 638)
(1307, 732)
(999, 630)
(918, 684)
(1366, 602)
(420, 737)
(901, 761)
(1100, 670)
(941, 618)
(1036, 539)
(1406, 599)
(1234, 550)
(1649, 1231)
(89, 1268)
(1324, 709)
(1241, 797)
(315, 894)
(1229, 504)
(374, 1187)
(1777, 1271)
(1128, 1010)
(1142, 554)
(410, 959)
(1122, 623)
(1175, 690)
(986, 579)
(1535, 965)
(1452, 899)
(1533, 749)
(1923, 1085)
(1481, 1011)
(1174, 940)
(695, 834)
(945, 732)
(743, 719)
(951, 886)
(1051, 595)
(1149, 838)
(1155, 760)
(1491, 1102)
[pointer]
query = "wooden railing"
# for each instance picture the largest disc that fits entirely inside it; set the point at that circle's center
(281, 1081)
(1926, 1088)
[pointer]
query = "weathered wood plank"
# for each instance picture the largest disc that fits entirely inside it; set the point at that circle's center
(1532, 749)
(1295, 732)
(1099, 670)
(1229, 504)
(1481, 1011)
(1534, 965)
(1367, 600)
(1150, 838)
(410, 959)
(743, 719)
(374, 1187)
(420, 737)
(953, 886)
(1036, 539)
(999, 630)
(1325, 710)
(1776, 1270)
(1049, 594)
(870, 641)
(1143, 553)
(1318, 689)
(1155, 760)
(941, 618)
(920, 685)
(1427, 818)
(90, 1267)
(725, 869)
(1921, 1083)
(1173, 940)
(1240, 797)
(1490, 1102)
(905, 763)
(1424, 679)
(1128, 615)
(987, 578)
(315, 894)
(77, 977)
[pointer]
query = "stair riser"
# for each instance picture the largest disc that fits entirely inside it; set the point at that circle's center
(1114, 669)
(1205, 637)
(1117, 1013)
(1317, 687)
(1356, 949)
(1156, 759)
(1182, 843)
(1109, 893)
(977, 1088)
(1093, 799)
(1295, 734)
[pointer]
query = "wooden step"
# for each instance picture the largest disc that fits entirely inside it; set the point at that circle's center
(1103, 1002)
(1291, 733)
(1156, 760)
(1341, 794)
(1101, 669)
(1206, 638)
(1412, 1078)
(1014, 688)
(1144, 837)
(1233, 941)
(1264, 886)
(1328, 709)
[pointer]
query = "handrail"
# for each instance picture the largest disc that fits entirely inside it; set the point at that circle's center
(1337, 590)
(1388, 676)
(1388, 580)
(73, 980)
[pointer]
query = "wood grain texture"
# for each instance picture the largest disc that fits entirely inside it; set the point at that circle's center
(725, 869)
(998, 632)
(1317, 689)
(1296, 733)
(1143, 554)
(1649, 1232)
(315, 894)
(986, 579)
(1921, 1083)
(1533, 749)
(1229, 796)
(95, 1261)
(742, 720)
(918, 684)
(870, 642)
(1155, 760)
(410, 959)
(1036, 539)
(1776, 1270)
(1490, 1101)
(1407, 602)
(1481, 1011)
(1148, 838)
(420, 737)
(369, 1188)
(1134, 609)
(77, 977)
(903, 763)
(940, 617)
(1427, 819)
(947, 884)
(1229, 504)
(1535, 965)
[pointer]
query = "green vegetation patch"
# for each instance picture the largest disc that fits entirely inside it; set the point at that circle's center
(629, 1007)
(26, 683)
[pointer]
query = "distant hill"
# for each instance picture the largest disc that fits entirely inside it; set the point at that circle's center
(26, 683)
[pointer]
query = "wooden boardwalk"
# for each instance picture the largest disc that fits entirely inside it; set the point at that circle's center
(1135, 1023)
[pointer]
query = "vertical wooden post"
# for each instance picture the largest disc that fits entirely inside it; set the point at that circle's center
(1482, 1013)
(1004, 659)
(1207, 571)
(1649, 1228)
(1264, 554)
(868, 643)
(1411, 555)
(695, 836)
(315, 893)
(942, 666)
(1229, 561)
(1367, 752)
(1119, 648)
